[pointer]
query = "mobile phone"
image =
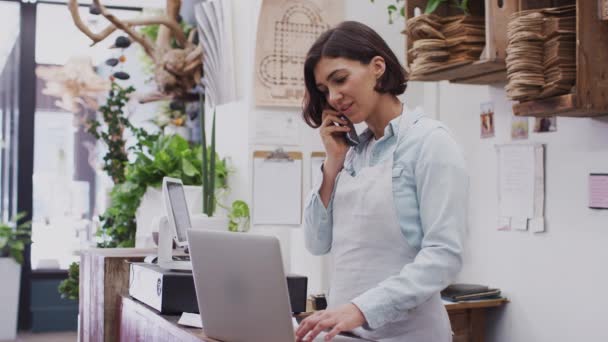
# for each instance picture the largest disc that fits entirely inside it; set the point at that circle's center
(352, 139)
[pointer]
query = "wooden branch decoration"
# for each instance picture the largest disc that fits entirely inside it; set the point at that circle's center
(177, 70)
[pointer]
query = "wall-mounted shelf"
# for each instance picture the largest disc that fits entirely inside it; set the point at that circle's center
(490, 68)
(589, 96)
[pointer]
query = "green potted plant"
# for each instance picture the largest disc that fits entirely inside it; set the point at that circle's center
(174, 157)
(69, 287)
(237, 218)
(13, 239)
(136, 202)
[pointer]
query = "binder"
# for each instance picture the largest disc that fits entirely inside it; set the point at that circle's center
(277, 188)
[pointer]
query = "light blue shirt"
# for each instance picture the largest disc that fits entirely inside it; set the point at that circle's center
(430, 191)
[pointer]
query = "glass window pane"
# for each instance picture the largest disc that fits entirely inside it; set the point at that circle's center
(9, 101)
(64, 183)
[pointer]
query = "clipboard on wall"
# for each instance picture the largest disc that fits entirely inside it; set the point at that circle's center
(277, 188)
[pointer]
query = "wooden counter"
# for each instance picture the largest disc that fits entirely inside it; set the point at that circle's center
(138, 322)
(106, 315)
(104, 278)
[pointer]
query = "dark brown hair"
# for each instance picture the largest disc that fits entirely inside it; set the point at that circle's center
(354, 41)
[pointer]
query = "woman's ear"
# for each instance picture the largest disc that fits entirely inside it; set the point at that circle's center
(378, 66)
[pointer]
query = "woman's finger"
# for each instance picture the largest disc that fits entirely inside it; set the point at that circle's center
(307, 324)
(334, 129)
(335, 331)
(327, 112)
(332, 119)
(321, 325)
(303, 328)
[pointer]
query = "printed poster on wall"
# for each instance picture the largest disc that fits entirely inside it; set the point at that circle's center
(286, 30)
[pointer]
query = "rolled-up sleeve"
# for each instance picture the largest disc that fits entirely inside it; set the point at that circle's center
(318, 219)
(442, 192)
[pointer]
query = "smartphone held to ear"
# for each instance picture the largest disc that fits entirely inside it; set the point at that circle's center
(352, 139)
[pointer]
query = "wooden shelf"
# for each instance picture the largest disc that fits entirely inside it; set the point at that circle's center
(563, 105)
(590, 94)
(490, 68)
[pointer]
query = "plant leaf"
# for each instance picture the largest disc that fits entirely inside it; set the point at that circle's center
(212, 159)
(188, 168)
(432, 5)
(205, 172)
(240, 209)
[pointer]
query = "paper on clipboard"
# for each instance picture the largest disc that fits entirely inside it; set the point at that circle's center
(277, 188)
(521, 193)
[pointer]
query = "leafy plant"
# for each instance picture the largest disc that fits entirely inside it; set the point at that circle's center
(169, 156)
(239, 217)
(463, 5)
(69, 288)
(431, 6)
(14, 237)
(116, 122)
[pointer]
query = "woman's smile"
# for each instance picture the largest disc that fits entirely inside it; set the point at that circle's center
(346, 110)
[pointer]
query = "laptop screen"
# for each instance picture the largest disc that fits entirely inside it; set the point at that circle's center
(177, 198)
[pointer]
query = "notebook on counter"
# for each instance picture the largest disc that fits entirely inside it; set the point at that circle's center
(462, 292)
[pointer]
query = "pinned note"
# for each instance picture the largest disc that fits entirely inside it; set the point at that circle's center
(598, 191)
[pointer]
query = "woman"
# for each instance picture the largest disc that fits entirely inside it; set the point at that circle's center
(392, 210)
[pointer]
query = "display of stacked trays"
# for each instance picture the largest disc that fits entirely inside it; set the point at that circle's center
(429, 49)
(525, 72)
(441, 43)
(541, 59)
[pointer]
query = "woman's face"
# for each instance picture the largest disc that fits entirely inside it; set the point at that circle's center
(348, 85)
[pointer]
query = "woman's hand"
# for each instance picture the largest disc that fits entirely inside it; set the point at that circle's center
(344, 318)
(333, 139)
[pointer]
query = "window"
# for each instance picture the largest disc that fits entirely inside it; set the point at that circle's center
(9, 106)
(65, 184)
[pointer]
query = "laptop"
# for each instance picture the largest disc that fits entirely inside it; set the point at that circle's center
(241, 287)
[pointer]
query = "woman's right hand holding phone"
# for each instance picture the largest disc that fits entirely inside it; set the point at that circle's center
(333, 139)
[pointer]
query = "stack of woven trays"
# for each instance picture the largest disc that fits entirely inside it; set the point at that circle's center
(541, 53)
(440, 43)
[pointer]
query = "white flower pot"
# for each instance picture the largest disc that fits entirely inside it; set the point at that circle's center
(9, 297)
(152, 208)
(182, 131)
(219, 221)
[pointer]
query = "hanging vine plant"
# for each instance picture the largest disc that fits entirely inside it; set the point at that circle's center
(112, 112)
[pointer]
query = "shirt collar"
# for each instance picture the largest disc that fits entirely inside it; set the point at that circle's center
(390, 130)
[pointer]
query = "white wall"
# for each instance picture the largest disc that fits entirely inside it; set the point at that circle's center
(555, 280)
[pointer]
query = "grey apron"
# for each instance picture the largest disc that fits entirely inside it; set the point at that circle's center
(368, 247)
